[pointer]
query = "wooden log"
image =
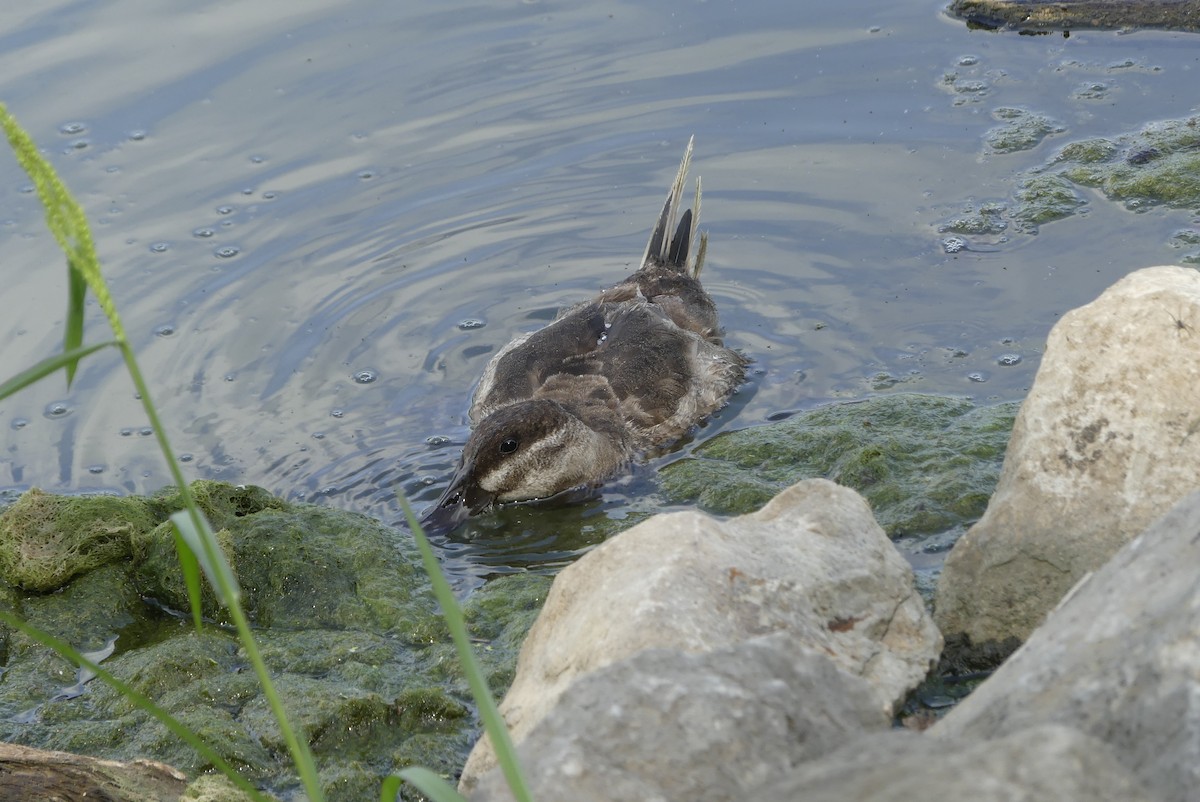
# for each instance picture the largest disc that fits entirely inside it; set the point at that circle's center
(27, 773)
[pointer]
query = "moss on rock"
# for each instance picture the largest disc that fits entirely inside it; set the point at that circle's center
(47, 539)
(304, 566)
(1020, 129)
(346, 624)
(925, 463)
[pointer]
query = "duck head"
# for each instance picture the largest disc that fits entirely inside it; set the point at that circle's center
(527, 450)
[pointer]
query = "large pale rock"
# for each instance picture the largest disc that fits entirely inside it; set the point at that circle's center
(1045, 764)
(704, 727)
(1119, 660)
(1108, 438)
(812, 563)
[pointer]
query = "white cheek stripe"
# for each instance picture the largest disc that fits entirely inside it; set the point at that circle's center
(525, 463)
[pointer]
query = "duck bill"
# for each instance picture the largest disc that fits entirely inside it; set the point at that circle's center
(461, 500)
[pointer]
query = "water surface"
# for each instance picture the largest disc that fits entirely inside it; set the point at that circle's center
(320, 220)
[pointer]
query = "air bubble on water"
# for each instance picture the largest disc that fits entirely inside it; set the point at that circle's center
(57, 409)
(365, 376)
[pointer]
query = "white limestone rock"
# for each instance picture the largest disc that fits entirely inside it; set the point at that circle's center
(1107, 440)
(1119, 660)
(812, 563)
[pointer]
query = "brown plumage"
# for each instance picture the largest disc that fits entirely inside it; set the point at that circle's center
(572, 404)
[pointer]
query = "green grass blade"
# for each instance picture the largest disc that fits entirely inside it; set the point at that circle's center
(47, 366)
(144, 703)
(202, 543)
(190, 567)
(428, 783)
(73, 328)
(493, 722)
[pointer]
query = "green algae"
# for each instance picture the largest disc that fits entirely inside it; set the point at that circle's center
(1044, 197)
(1158, 165)
(346, 624)
(46, 539)
(988, 219)
(925, 463)
(1088, 151)
(1020, 129)
(306, 566)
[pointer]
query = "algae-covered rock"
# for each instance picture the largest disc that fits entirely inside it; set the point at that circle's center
(345, 623)
(987, 219)
(300, 565)
(1020, 129)
(498, 615)
(925, 463)
(47, 539)
(1158, 165)
(1044, 197)
(221, 502)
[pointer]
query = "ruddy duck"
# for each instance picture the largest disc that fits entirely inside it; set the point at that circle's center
(572, 404)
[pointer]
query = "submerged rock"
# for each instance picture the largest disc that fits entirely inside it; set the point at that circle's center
(1118, 660)
(1106, 440)
(1019, 129)
(1158, 165)
(925, 463)
(813, 563)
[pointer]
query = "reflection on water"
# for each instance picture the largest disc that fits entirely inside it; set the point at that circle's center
(320, 222)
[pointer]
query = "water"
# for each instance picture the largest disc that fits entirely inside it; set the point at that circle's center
(319, 221)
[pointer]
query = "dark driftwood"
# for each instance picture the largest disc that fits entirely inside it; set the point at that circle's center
(1041, 16)
(27, 773)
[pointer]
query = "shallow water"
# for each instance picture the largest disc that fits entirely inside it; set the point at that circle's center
(319, 221)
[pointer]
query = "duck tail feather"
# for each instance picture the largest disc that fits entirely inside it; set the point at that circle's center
(701, 251)
(661, 244)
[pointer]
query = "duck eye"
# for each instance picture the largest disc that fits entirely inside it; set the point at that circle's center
(508, 445)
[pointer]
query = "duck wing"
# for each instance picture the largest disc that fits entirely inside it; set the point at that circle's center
(525, 364)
